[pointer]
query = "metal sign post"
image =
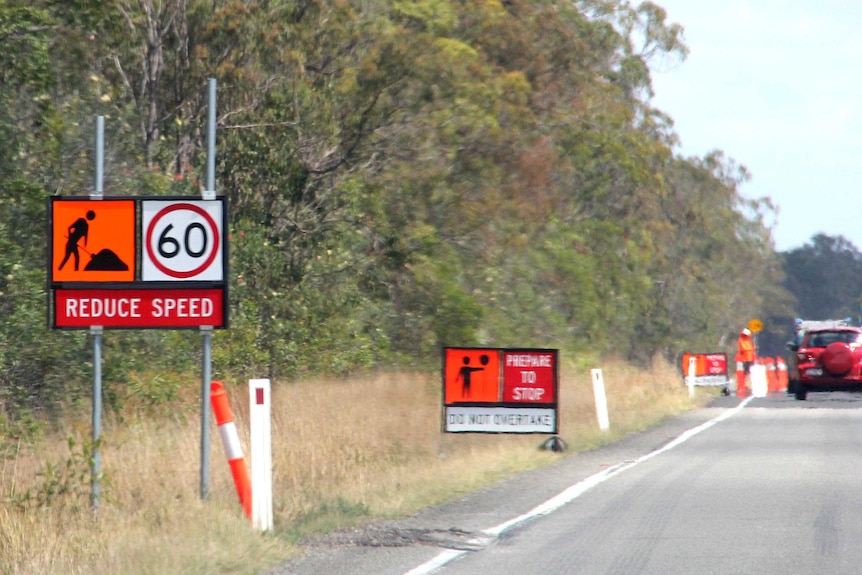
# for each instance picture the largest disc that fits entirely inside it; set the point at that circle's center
(96, 331)
(206, 376)
(208, 194)
(95, 470)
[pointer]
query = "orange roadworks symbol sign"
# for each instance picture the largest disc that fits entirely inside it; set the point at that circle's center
(472, 375)
(92, 240)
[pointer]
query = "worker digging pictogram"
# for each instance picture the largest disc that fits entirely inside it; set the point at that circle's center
(93, 241)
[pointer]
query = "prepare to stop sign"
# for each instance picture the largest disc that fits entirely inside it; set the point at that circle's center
(183, 240)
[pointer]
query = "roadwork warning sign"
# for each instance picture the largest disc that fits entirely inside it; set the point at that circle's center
(489, 390)
(92, 241)
(118, 263)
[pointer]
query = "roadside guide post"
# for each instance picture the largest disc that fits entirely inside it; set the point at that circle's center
(601, 399)
(692, 374)
(260, 419)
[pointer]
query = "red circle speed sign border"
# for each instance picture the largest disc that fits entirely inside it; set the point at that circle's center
(179, 274)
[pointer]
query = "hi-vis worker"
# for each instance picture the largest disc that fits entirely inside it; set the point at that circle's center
(745, 347)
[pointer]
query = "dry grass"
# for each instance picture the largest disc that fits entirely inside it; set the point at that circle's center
(344, 452)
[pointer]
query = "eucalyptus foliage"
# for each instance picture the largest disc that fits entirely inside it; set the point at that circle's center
(402, 175)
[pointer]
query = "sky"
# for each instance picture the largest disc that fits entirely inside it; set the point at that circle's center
(777, 86)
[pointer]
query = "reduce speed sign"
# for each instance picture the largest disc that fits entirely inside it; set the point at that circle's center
(183, 240)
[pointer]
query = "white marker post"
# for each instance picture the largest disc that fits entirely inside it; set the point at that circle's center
(759, 384)
(260, 419)
(601, 399)
(692, 374)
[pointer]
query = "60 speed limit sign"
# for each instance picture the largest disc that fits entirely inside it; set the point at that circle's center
(183, 240)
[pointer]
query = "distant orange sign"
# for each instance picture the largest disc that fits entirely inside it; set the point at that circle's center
(705, 363)
(472, 375)
(92, 240)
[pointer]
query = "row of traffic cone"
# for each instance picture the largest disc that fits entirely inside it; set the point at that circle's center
(776, 375)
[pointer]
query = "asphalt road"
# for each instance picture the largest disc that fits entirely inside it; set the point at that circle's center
(765, 485)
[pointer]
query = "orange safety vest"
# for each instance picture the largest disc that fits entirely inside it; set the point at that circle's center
(746, 348)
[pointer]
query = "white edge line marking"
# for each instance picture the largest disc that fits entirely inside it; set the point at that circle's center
(575, 491)
(442, 559)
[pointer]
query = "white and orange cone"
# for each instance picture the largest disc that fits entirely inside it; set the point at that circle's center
(232, 447)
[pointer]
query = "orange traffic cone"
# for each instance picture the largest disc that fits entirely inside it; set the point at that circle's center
(232, 447)
(781, 368)
(771, 375)
(740, 377)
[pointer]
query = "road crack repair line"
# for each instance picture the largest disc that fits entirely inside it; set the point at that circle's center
(452, 538)
(570, 494)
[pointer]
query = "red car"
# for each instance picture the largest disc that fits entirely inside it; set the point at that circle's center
(827, 359)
